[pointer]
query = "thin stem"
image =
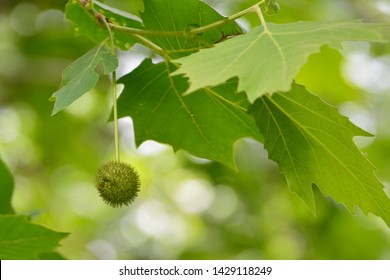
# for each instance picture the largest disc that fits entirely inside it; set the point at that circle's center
(111, 36)
(135, 31)
(261, 17)
(115, 106)
(151, 45)
(114, 94)
(190, 32)
(224, 21)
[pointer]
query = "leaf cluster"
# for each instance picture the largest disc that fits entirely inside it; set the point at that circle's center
(217, 84)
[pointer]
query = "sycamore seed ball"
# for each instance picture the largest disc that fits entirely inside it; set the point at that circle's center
(118, 183)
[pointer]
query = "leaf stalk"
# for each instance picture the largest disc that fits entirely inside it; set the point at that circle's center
(114, 94)
(262, 19)
(190, 32)
(116, 126)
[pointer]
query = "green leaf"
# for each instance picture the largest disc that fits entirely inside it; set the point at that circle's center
(20, 239)
(312, 144)
(80, 76)
(87, 24)
(267, 61)
(6, 189)
(173, 15)
(206, 123)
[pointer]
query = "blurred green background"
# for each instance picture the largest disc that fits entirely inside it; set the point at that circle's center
(188, 208)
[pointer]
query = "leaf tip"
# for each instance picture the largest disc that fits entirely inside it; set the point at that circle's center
(55, 110)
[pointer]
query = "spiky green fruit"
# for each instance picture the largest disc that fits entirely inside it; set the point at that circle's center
(118, 183)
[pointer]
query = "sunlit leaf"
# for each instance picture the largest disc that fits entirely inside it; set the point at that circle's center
(267, 61)
(312, 144)
(80, 77)
(206, 123)
(20, 239)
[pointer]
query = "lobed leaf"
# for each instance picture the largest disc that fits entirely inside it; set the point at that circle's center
(206, 123)
(80, 76)
(22, 240)
(312, 144)
(173, 15)
(267, 61)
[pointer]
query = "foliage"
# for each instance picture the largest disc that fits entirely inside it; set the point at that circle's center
(81, 77)
(265, 60)
(20, 239)
(187, 207)
(312, 143)
(179, 16)
(86, 24)
(154, 101)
